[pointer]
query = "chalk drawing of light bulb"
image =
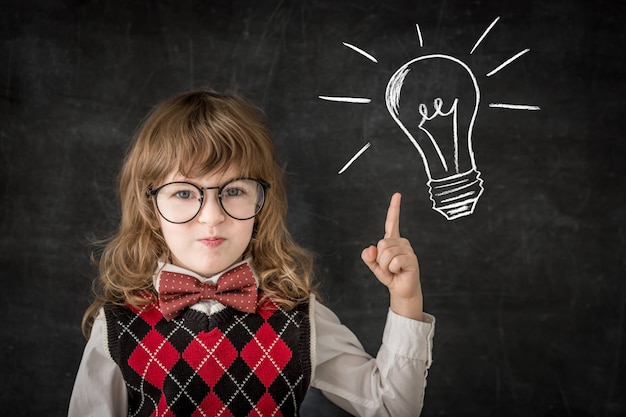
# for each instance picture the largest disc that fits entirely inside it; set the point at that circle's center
(438, 116)
(434, 99)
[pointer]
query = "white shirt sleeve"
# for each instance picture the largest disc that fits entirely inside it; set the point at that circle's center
(99, 389)
(392, 384)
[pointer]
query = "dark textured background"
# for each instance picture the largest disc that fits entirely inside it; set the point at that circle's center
(529, 291)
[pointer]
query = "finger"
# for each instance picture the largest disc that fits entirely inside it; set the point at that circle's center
(392, 223)
(395, 257)
(403, 263)
(369, 257)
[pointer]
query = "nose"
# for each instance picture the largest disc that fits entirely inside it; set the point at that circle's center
(211, 212)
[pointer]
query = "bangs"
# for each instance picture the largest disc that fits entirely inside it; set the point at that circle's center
(209, 156)
(197, 137)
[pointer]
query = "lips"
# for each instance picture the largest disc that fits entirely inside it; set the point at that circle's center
(212, 242)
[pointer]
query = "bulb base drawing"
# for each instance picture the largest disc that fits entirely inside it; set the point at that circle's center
(456, 196)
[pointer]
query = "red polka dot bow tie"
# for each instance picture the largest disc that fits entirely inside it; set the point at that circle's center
(235, 288)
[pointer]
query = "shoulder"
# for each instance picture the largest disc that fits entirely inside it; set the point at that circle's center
(320, 313)
(142, 304)
(116, 317)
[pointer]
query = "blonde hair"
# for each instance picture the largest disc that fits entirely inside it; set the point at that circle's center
(197, 133)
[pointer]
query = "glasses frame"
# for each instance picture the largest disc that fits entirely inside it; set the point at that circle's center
(154, 192)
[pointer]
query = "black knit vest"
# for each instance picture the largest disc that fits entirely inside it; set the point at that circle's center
(227, 364)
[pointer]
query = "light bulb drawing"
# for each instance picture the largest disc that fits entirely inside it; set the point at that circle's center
(435, 100)
(440, 125)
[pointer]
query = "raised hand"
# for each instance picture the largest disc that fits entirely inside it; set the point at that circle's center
(395, 264)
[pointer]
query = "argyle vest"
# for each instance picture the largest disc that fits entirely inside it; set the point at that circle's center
(227, 364)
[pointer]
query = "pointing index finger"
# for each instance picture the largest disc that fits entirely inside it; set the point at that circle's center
(392, 223)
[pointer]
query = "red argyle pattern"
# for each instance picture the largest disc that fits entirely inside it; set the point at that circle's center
(228, 364)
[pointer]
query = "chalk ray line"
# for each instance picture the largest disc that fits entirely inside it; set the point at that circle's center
(354, 158)
(358, 100)
(362, 52)
(508, 61)
(514, 106)
(484, 34)
(419, 35)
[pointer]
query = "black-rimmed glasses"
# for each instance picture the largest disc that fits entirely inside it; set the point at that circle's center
(180, 201)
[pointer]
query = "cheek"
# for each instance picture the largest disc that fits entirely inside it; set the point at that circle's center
(172, 234)
(245, 230)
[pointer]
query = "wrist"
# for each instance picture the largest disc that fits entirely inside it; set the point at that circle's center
(412, 307)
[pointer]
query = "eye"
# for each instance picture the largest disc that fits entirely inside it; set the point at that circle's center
(181, 191)
(232, 192)
(184, 194)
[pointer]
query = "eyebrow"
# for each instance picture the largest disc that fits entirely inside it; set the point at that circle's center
(197, 184)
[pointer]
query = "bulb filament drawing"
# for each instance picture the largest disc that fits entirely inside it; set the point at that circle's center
(434, 99)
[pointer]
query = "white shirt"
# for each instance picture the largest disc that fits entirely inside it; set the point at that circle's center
(392, 384)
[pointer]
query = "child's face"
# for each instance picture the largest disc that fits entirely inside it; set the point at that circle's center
(212, 241)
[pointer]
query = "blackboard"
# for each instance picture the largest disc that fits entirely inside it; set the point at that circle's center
(529, 290)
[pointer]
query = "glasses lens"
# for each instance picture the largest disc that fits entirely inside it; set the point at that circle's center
(179, 202)
(242, 199)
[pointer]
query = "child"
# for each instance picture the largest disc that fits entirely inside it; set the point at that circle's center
(205, 304)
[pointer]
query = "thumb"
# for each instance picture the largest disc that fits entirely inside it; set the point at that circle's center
(369, 255)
